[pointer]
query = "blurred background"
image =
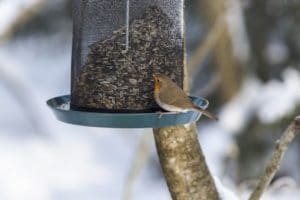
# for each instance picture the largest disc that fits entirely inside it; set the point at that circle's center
(243, 55)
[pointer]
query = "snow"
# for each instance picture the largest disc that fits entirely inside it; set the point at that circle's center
(282, 189)
(279, 97)
(235, 114)
(224, 193)
(33, 168)
(216, 144)
(269, 101)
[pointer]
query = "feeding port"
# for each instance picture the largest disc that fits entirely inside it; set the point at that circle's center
(118, 45)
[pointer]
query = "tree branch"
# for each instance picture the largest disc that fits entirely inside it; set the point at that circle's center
(280, 149)
(226, 63)
(20, 19)
(205, 47)
(184, 164)
(22, 93)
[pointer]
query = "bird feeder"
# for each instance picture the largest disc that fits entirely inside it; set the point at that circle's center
(117, 47)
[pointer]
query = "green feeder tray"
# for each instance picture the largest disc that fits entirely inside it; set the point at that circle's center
(61, 108)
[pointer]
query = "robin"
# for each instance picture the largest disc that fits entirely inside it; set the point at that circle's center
(172, 98)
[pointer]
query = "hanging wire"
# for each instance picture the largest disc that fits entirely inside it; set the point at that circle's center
(127, 24)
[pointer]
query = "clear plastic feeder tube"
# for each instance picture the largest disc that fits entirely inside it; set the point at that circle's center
(118, 45)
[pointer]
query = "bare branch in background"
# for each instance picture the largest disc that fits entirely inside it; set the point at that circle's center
(206, 47)
(19, 88)
(281, 146)
(17, 85)
(22, 17)
(140, 160)
(226, 63)
(210, 87)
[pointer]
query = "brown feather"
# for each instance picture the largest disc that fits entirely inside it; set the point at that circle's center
(170, 94)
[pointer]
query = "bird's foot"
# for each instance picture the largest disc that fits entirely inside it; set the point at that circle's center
(160, 114)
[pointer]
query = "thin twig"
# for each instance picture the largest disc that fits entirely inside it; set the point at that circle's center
(207, 45)
(210, 87)
(22, 93)
(225, 61)
(140, 159)
(280, 148)
(21, 19)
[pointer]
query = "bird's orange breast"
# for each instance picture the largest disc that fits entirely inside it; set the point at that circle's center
(156, 87)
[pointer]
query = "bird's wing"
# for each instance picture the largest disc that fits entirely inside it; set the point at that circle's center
(176, 97)
(182, 102)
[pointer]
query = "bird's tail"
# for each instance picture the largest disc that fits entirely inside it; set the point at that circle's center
(206, 113)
